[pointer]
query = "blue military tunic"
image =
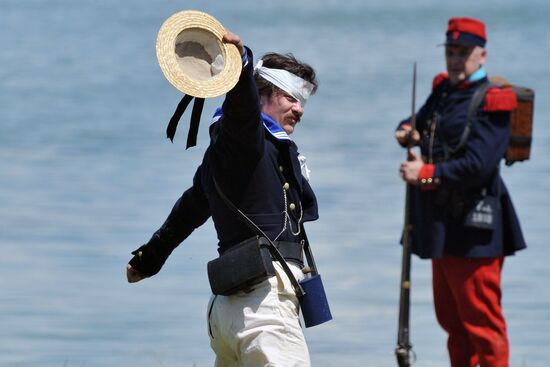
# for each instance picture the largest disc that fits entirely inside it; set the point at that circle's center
(459, 177)
(256, 165)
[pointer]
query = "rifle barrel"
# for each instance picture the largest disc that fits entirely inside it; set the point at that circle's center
(404, 347)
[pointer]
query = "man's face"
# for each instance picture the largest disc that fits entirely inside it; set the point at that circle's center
(284, 109)
(463, 61)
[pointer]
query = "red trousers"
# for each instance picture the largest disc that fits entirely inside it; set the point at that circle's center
(467, 305)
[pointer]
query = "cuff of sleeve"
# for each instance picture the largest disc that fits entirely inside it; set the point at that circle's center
(426, 178)
(244, 57)
(247, 56)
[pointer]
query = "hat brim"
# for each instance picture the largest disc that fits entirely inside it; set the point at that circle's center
(464, 39)
(461, 43)
(167, 57)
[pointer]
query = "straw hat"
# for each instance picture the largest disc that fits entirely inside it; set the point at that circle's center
(193, 57)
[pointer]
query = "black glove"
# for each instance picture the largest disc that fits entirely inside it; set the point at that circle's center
(146, 259)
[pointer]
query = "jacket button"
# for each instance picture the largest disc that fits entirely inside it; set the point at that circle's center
(286, 186)
(292, 206)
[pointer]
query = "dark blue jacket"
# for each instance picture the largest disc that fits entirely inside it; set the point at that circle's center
(256, 165)
(438, 210)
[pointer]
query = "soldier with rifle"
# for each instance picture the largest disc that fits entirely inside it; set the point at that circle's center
(459, 211)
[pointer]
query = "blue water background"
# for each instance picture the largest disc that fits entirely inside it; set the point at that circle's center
(86, 176)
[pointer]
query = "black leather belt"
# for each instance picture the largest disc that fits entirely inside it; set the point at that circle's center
(291, 251)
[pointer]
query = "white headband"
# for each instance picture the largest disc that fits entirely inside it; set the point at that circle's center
(292, 84)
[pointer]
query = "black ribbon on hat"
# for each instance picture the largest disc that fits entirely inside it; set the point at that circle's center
(195, 120)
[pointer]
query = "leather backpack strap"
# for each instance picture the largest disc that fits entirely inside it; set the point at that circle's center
(476, 101)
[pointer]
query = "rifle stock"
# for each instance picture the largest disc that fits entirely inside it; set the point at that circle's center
(404, 347)
(403, 352)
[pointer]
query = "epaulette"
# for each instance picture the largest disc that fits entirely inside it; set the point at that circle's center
(438, 79)
(500, 99)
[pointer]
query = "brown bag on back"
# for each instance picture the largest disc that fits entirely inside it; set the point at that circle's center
(521, 125)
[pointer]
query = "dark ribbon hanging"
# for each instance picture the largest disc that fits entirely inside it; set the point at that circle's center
(195, 120)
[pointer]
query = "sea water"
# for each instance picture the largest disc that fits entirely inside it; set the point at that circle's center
(87, 175)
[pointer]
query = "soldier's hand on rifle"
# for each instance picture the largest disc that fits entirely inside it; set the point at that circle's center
(410, 169)
(406, 136)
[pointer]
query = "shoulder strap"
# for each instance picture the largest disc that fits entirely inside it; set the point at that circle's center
(276, 254)
(476, 101)
(309, 253)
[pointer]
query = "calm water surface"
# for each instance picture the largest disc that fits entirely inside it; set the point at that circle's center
(86, 176)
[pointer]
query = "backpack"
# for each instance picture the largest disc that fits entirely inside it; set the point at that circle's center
(521, 120)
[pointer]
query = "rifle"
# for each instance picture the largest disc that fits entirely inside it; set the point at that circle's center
(403, 352)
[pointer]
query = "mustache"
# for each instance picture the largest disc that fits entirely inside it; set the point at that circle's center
(294, 116)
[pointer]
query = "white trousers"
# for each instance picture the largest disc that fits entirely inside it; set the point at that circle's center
(260, 328)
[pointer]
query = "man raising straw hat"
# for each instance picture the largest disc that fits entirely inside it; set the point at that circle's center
(252, 161)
